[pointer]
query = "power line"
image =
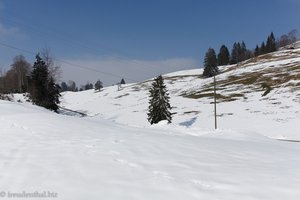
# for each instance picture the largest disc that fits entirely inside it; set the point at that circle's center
(92, 69)
(69, 63)
(73, 41)
(16, 48)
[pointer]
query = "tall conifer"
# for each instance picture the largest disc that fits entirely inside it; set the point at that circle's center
(210, 63)
(43, 91)
(223, 56)
(159, 106)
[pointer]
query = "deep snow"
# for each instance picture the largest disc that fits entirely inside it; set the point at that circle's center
(90, 158)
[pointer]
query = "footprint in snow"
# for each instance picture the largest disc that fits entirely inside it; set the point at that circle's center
(125, 162)
(201, 184)
(13, 125)
(24, 128)
(90, 148)
(114, 152)
(117, 141)
(162, 174)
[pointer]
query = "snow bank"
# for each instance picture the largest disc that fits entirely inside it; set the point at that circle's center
(91, 158)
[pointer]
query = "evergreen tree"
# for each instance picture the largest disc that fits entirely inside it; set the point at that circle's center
(245, 53)
(242, 52)
(263, 48)
(64, 87)
(235, 53)
(53, 95)
(122, 81)
(223, 56)
(98, 85)
(39, 82)
(159, 106)
(43, 90)
(239, 53)
(271, 43)
(210, 63)
(88, 86)
(257, 51)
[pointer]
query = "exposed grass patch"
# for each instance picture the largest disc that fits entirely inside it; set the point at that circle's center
(174, 78)
(274, 77)
(124, 95)
(141, 86)
(220, 97)
(191, 112)
(267, 87)
(135, 89)
(265, 57)
(198, 95)
(248, 79)
(295, 69)
(224, 114)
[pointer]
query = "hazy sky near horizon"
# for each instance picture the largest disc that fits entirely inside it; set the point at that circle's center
(135, 39)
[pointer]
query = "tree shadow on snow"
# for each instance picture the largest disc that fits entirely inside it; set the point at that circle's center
(188, 123)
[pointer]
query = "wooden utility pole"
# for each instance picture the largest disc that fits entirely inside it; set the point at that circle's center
(215, 101)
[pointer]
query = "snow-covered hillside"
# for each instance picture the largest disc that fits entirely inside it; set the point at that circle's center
(241, 104)
(72, 158)
(113, 153)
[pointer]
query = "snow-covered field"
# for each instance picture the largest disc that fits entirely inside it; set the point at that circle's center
(90, 158)
(241, 106)
(113, 153)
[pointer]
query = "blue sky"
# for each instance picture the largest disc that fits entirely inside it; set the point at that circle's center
(137, 39)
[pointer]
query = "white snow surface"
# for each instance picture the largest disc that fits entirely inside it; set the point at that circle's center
(93, 158)
(113, 153)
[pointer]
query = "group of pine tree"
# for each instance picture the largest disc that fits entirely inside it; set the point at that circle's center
(159, 106)
(39, 81)
(71, 86)
(238, 54)
(43, 91)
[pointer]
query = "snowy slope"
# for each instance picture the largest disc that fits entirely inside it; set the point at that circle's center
(113, 153)
(91, 158)
(241, 105)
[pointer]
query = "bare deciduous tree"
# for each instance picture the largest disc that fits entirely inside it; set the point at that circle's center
(54, 69)
(288, 39)
(21, 69)
(16, 78)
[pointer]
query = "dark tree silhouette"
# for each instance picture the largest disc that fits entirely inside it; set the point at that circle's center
(43, 91)
(159, 106)
(98, 85)
(223, 56)
(210, 63)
